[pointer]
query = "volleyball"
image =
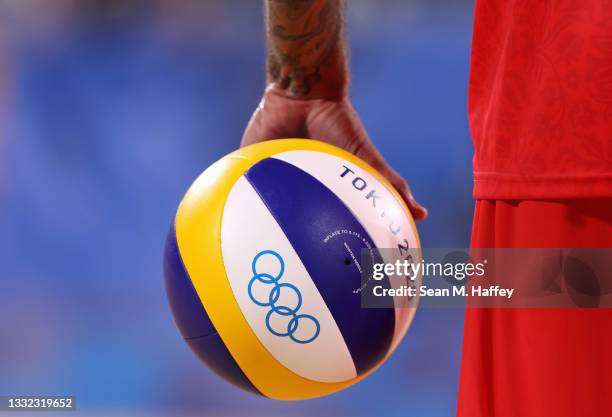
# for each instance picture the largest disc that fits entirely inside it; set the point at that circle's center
(262, 268)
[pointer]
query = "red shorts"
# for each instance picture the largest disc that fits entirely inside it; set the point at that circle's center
(538, 362)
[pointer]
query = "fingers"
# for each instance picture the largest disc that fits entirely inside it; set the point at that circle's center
(416, 209)
(366, 150)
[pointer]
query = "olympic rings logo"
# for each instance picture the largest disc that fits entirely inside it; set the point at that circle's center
(273, 297)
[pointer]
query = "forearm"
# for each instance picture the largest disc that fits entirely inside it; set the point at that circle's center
(306, 48)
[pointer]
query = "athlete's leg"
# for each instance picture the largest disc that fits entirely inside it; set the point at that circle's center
(538, 362)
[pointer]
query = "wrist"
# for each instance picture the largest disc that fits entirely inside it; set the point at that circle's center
(327, 81)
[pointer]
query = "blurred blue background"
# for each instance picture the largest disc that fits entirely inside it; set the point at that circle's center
(110, 109)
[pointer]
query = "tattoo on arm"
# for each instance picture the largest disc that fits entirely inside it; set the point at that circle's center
(306, 53)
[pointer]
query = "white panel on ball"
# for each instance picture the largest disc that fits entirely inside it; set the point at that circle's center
(373, 205)
(249, 229)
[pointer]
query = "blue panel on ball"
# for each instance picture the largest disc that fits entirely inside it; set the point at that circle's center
(309, 213)
(189, 313)
(193, 321)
